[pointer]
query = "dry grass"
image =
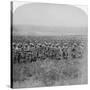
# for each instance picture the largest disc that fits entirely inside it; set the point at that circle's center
(47, 73)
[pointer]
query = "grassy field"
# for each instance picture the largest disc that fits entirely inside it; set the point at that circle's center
(50, 72)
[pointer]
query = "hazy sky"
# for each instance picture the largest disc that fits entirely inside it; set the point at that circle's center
(50, 15)
(17, 4)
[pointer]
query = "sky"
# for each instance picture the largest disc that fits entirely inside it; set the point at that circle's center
(27, 16)
(18, 4)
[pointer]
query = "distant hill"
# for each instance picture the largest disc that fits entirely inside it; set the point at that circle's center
(31, 30)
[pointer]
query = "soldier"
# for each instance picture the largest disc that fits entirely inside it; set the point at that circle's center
(65, 51)
(76, 51)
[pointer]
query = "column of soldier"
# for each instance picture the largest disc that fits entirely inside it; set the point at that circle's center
(32, 51)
